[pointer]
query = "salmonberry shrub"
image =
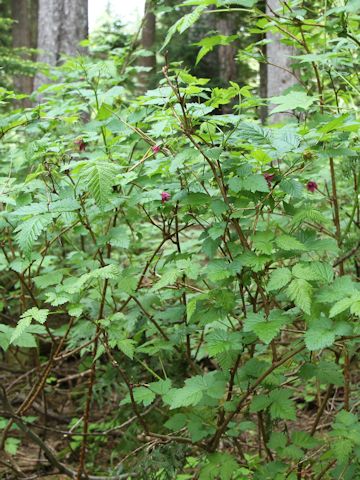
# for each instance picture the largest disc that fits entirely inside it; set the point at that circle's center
(194, 271)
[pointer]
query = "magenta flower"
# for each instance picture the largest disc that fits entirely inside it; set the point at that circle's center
(269, 177)
(165, 196)
(311, 186)
(79, 142)
(155, 148)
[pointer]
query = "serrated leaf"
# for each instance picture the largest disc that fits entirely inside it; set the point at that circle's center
(108, 272)
(221, 465)
(343, 305)
(176, 422)
(99, 178)
(311, 214)
(300, 291)
(292, 101)
(20, 328)
(144, 395)
(265, 329)
(34, 313)
(259, 403)
(279, 278)
(161, 387)
(37, 314)
(30, 230)
(48, 279)
(286, 242)
(281, 405)
(317, 338)
(342, 449)
(291, 187)
(194, 390)
(304, 440)
(167, 278)
(127, 346)
(262, 242)
(329, 372)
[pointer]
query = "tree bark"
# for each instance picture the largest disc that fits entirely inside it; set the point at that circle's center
(280, 73)
(147, 42)
(227, 53)
(62, 25)
(24, 28)
(226, 25)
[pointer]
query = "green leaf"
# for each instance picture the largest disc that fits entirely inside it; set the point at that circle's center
(342, 449)
(208, 44)
(176, 422)
(263, 242)
(144, 395)
(48, 279)
(291, 187)
(252, 183)
(221, 465)
(141, 395)
(292, 101)
(286, 242)
(318, 337)
(259, 403)
(39, 315)
(309, 214)
(29, 231)
(194, 390)
(127, 346)
(329, 372)
(34, 313)
(344, 304)
(304, 440)
(161, 387)
(20, 328)
(11, 445)
(285, 140)
(281, 405)
(300, 291)
(167, 278)
(99, 177)
(279, 278)
(184, 23)
(265, 329)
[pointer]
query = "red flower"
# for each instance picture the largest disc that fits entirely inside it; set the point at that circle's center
(155, 148)
(269, 177)
(79, 142)
(165, 196)
(311, 186)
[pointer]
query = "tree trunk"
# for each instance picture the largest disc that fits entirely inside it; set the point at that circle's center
(24, 28)
(62, 25)
(280, 73)
(227, 53)
(226, 25)
(147, 43)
